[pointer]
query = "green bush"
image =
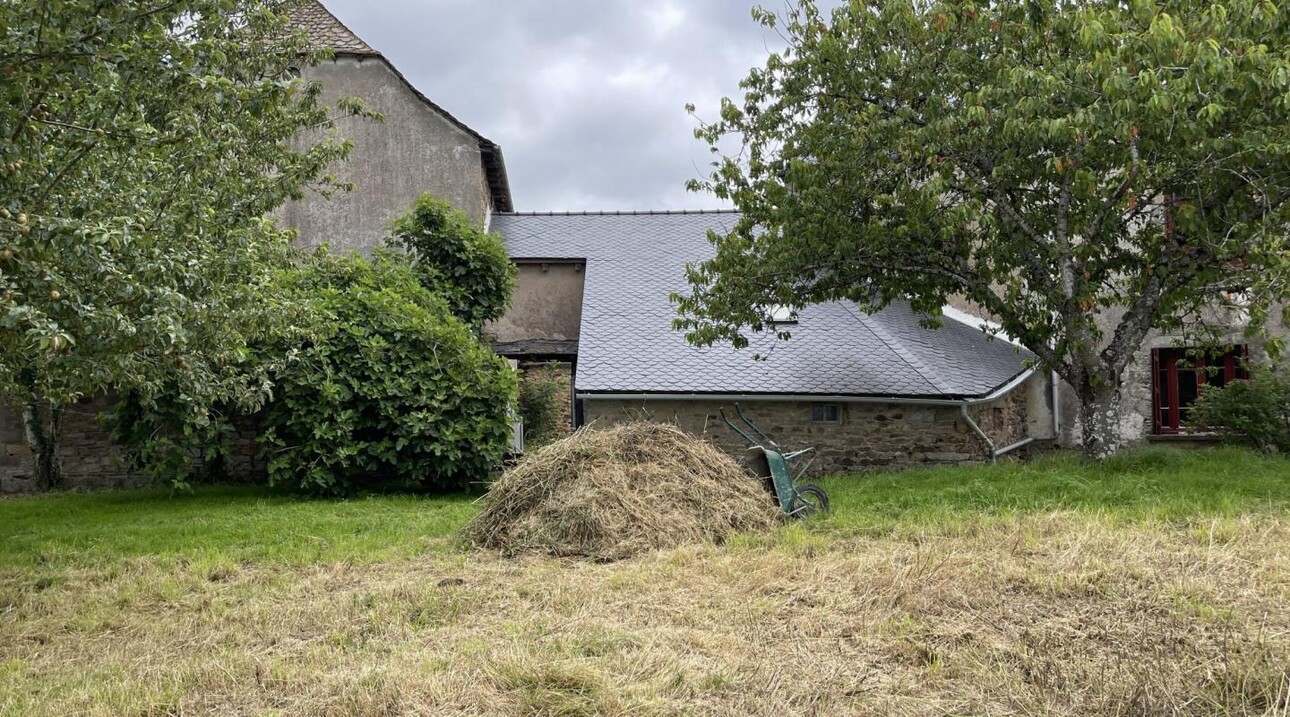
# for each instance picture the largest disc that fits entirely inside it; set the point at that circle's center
(1256, 411)
(177, 434)
(393, 392)
(542, 394)
(457, 260)
(169, 442)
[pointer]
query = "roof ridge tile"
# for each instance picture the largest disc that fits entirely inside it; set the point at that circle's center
(905, 353)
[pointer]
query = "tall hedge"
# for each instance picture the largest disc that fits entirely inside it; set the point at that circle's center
(392, 392)
(457, 259)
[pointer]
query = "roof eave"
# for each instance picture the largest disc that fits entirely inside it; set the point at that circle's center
(499, 183)
(926, 400)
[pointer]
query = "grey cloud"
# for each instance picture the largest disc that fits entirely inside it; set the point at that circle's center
(587, 99)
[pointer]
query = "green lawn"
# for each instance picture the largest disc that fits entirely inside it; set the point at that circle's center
(238, 524)
(1154, 584)
(253, 525)
(1147, 484)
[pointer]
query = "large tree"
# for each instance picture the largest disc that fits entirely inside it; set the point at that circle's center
(142, 144)
(1085, 171)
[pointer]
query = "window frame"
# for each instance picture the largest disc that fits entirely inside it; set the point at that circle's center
(837, 413)
(1165, 362)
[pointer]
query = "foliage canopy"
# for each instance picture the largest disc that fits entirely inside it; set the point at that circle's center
(142, 145)
(391, 392)
(457, 259)
(1255, 411)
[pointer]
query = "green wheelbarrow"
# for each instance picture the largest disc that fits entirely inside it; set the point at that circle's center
(771, 463)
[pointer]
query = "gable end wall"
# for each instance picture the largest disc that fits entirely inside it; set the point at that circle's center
(415, 150)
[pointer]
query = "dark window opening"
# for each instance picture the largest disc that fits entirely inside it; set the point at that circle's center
(825, 413)
(1180, 376)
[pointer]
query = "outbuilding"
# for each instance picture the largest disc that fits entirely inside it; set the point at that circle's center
(865, 390)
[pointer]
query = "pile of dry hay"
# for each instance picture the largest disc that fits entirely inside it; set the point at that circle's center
(613, 493)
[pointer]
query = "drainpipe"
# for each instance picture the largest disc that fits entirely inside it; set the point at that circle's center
(989, 444)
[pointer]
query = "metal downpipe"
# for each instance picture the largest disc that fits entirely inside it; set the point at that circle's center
(963, 409)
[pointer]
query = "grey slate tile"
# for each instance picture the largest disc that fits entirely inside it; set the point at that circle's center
(627, 344)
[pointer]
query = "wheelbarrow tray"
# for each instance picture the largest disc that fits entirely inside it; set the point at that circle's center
(772, 467)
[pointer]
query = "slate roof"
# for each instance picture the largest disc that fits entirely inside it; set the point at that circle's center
(627, 344)
(326, 31)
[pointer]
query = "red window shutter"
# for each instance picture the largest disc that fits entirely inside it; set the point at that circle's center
(1155, 391)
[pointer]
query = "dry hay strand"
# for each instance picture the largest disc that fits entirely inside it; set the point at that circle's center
(612, 493)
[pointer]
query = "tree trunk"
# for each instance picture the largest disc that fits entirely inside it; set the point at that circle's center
(1099, 417)
(42, 423)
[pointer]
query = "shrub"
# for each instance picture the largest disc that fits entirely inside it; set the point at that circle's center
(1256, 411)
(542, 396)
(457, 260)
(177, 434)
(169, 442)
(392, 392)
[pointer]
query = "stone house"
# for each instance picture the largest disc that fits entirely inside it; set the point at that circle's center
(419, 147)
(1167, 374)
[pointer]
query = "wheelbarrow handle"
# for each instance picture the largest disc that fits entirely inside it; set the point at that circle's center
(739, 410)
(805, 468)
(721, 411)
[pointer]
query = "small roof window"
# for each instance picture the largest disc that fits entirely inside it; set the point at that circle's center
(780, 314)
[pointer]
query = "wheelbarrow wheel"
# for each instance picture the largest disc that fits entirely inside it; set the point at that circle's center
(809, 500)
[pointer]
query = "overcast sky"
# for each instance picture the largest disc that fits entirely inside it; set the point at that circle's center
(586, 97)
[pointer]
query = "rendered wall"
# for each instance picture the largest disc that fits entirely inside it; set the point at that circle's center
(546, 305)
(415, 150)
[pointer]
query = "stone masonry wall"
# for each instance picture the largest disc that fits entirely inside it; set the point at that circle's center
(866, 436)
(1136, 392)
(1005, 421)
(92, 460)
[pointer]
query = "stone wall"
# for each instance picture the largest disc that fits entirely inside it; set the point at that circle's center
(91, 460)
(866, 436)
(1136, 393)
(1005, 421)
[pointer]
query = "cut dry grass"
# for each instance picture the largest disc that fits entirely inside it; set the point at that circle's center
(1045, 615)
(616, 492)
(1075, 610)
